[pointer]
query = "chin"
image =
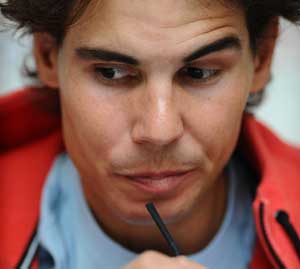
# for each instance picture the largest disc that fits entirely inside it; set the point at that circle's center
(139, 215)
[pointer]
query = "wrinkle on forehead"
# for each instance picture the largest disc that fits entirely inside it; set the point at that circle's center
(160, 13)
(133, 28)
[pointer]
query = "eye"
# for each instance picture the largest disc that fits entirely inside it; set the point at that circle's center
(117, 75)
(200, 74)
(112, 73)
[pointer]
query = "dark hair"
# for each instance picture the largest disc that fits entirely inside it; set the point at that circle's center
(55, 16)
(50, 16)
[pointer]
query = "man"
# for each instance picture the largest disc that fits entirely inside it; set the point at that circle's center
(153, 97)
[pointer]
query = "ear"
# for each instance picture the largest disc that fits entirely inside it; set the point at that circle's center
(264, 55)
(45, 54)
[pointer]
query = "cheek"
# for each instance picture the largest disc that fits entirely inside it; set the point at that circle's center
(225, 130)
(93, 124)
(93, 117)
(219, 118)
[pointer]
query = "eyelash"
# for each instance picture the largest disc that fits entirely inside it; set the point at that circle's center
(134, 76)
(211, 75)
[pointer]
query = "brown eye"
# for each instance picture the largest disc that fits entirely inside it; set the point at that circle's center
(198, 73)
(116, 75)
(112, 73)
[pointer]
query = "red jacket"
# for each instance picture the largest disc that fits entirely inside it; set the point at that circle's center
(30, 139)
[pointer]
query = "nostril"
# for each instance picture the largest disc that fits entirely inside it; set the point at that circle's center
(157, 133)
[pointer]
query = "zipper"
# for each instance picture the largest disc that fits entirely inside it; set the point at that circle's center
(283, 219)
(264, 232)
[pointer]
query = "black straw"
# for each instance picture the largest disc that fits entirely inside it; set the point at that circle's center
(163, 229)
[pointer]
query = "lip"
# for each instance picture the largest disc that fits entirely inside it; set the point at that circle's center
(159, 182)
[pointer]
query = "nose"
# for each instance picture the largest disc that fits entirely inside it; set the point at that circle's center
(159, 121)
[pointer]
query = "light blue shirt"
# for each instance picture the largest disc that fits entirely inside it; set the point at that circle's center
(70, 233)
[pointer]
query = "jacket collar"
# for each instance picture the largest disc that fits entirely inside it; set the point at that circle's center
(278, 168)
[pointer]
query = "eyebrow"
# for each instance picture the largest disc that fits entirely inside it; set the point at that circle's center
(229, 42)
(88, 53)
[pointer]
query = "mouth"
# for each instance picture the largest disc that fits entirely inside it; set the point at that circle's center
(159, 182)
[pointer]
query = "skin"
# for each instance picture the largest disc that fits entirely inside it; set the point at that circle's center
(156, 117)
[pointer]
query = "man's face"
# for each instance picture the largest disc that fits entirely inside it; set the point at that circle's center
(152, 96)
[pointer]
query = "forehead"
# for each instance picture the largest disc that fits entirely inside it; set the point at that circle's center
(127, 23)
